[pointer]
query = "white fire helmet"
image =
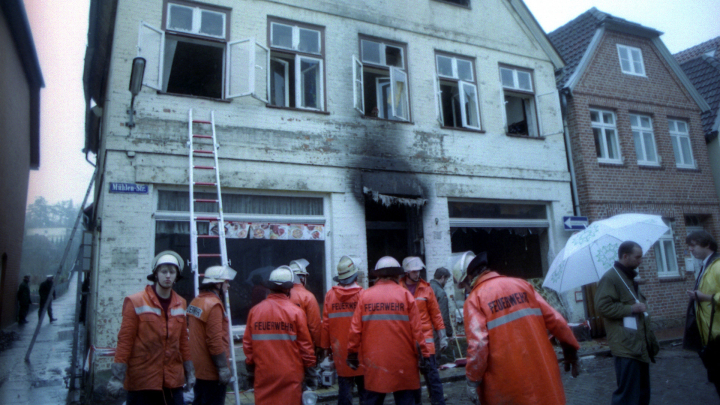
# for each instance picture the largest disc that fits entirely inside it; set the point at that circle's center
(412, 263)
(458, 265)
(387, 266)
(281, 279)
(167, 257)
(299, 267)
(347, 269)
(218, 274)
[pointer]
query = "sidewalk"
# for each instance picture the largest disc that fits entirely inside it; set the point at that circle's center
(42, 379)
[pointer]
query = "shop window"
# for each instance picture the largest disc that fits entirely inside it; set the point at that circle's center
(682, 149)
(644, 139)
(296, 65)
(665, 257)
(605, 135)
(519, 100)
(380, 80)
(262, 232)
(192, 55)
(456, 92)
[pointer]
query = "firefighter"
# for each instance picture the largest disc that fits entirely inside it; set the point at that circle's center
(339, 307)
(431, 320)
(306, 300)
(277, 345)
(152, 360)
(209, 337)
(386, 331)
(509, 358)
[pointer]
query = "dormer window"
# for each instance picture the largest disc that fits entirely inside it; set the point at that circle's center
(631, 60)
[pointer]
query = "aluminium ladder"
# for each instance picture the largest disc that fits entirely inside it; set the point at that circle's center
(205, 151)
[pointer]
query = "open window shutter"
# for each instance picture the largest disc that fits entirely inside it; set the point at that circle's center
(472, 121)
(262, 73)
(547, 105)
(503, 105)
(438, 101)
(358, 86)
(399, 94)
(240, 68)
(151, 42)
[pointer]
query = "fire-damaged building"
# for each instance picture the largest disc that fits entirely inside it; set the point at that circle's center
(345, 128)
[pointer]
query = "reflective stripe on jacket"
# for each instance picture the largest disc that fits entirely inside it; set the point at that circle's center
(208, 334)
(506, 323)
(385, 329)
(430, 316)
(153, 347)
(278, 343)
(338, 310)
(300, 296)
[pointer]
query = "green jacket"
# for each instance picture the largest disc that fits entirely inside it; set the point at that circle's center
(709, 284)
(614, 300)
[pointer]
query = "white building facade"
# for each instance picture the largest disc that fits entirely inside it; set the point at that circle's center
(346, 128)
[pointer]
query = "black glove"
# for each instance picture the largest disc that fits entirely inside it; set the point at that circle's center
(352, 361)
(424, 364)
(311, 378)
(570, 359)
(250, 368)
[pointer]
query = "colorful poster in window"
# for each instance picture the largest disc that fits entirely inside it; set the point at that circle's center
(306, 232)
(257, 230)
(233, 230)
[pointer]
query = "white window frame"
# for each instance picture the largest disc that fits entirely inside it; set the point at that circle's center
(462, 99)
(516, 81)
(298, 83)
(196, 20)
(603, 127)
(358, 85)
(661, 255)
(286, 79)
(677, 137)
(643, 131)
(382, 51)
(399, 99)
(295, 37)
(634, 57)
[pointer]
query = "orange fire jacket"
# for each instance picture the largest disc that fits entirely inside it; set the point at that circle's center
(509, 350)
(300, 296)
(208, 334)
(339, 307)
(153, 348)
(278, 343)
(385, 329)
(430, 315)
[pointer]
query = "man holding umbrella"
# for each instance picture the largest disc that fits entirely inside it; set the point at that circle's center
(632, 342)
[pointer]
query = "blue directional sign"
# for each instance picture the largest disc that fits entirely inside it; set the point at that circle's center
(575, 223)
(128, 188)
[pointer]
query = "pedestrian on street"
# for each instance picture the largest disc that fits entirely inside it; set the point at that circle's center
(509, 357)
(24, 301)
(44, 292)
(279, 355)
(438, 283)
(306, 300)
(431, 320)
(386, 331)
(152, 360)
(707, 287)
(624, 312)
(339, 307)
(210, 338)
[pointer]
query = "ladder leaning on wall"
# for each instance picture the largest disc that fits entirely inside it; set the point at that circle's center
(204, 151)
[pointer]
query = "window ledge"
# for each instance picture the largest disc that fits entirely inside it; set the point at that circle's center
(670, 277)
(688, 169)
(635, 74)
(646, 166)
(537, 138)
(611, 164)
(451, 3)
(367, 117)
(221, 100)
(477, 131)
(297, 109)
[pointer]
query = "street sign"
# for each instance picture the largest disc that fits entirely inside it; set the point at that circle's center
(128, 188)
(575, 223)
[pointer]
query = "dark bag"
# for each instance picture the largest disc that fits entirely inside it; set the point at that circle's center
(710, 354)
(691, 338)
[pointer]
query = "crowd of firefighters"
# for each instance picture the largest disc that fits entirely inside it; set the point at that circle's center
(380, 339)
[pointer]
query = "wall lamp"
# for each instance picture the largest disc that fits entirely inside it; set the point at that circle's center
(136, 81)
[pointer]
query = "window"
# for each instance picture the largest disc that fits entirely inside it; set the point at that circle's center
(644, 140)
(605, 134)
(665, 253)
(380, 80)
(296, 65)
(457, 95)
(465, 3)
(631, 61)
(681, 144)
(519, 99)
(192, 56)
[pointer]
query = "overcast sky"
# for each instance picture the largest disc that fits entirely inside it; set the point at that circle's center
(60, 32)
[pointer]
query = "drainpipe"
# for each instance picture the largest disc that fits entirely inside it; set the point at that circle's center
(573, 182)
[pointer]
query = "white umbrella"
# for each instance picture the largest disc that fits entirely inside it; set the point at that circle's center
(590, 253)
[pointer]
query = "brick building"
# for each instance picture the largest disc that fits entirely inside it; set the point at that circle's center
(637, 145)
(402, 128)
(20, 83)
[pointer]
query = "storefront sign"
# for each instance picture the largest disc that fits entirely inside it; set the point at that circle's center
(128, 188)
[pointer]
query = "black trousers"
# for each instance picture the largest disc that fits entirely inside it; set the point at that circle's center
(633, 382)
(209, 392)
(168, 396)
(23, 313)
(49, 310)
